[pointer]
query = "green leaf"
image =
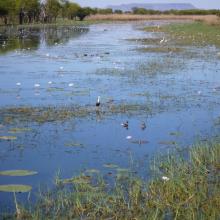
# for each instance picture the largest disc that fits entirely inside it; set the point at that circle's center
(15, 188)
(110, 165)
(8, 138)
(17, 173)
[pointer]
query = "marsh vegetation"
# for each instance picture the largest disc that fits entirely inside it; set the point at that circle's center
(160, 74)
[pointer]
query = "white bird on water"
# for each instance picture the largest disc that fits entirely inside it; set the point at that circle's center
(36, 85)
(18, 84)
(161, 41)
(98, 101)
(71, 84)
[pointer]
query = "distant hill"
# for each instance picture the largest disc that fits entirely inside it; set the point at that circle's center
(153, 6)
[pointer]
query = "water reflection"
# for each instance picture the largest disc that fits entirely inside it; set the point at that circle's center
(30, 38)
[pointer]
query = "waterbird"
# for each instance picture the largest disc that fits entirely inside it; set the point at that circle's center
(98, 101)
(18, 84)
(161, 41)
(125, 124)
(36, 85)
(61, 68)
(165, 178)
(129, 137)
(71, 84)
(49, 82)
(143, 125)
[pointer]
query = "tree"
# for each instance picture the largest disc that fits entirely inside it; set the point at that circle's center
(7, 9)
(72, 10)
(117, 11)
(82, 13)
(52, 9)
(28, 8)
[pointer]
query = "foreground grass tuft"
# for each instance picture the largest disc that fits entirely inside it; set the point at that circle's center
(181, 189)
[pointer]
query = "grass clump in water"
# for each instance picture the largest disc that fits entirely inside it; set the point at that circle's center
(161, 49)
(181, 189)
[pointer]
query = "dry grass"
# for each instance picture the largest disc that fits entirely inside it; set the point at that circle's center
(211, 19)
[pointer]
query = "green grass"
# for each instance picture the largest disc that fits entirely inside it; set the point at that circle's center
(193, 33)
(179, 189)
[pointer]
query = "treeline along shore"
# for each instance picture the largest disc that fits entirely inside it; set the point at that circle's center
(49, 11)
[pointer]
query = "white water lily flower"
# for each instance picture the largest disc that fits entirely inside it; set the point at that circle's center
(165, 178)
(129, 137)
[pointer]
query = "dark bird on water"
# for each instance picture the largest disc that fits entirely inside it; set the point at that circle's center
(125, 124)
(98, 101)
(143, 126)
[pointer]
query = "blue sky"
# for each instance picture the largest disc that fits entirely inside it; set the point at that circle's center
(103, 3)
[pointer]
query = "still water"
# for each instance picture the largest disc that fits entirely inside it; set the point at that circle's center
(175, 94)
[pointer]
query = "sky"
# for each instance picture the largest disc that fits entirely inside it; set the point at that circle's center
(206, 4)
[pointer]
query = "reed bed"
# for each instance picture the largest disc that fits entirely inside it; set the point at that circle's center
(131, 17)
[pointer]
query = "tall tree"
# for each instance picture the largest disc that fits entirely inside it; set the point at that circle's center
(52, 9)
(7, 9)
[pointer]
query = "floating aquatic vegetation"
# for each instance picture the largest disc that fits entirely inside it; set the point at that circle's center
(55, 89)
(53, 113)
(77, 180)
(175, 133)
(17, 173)
(140, 142)
(8, 138)
(146, 40)
(15, 188)
(217, 121)
(18, 130)
(74, 144)
(163, 49)
(110, 165)
(167, 142)
(92, 171)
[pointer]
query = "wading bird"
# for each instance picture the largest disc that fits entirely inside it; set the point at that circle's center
(98, 102)
(161, 41)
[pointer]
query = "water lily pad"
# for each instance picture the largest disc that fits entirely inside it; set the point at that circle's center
(110, 165)
(15, 188)
(8, 138)
(18, 130)
(17, 173)
(123, 170)
(92, 171)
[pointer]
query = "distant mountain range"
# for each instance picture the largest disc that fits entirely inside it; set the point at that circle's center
(153, 6)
